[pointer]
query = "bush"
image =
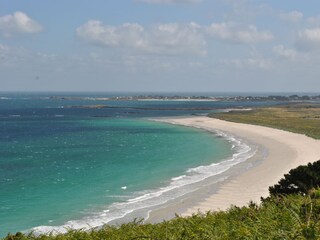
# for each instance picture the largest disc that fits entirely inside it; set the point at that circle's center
(299, 180)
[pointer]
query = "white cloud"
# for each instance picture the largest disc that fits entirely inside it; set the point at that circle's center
(161, 39)
(96, 32)
(170, 1)
(285, 53)
(235, 33)
(309, 39)
(18, 23)
(177, 38)
(171, 38)
(293, 16)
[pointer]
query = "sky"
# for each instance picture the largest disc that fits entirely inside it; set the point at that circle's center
(160, 45)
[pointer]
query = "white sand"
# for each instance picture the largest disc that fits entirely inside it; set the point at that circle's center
(285, 151)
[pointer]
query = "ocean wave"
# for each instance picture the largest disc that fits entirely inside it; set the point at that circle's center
(146, 200)
(178, 178)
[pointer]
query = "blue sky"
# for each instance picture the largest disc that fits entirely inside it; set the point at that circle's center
(160, 45)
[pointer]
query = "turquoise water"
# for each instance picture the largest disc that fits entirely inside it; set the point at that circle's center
(64, 166)
(55, 170)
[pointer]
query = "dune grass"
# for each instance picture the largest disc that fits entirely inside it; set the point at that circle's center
(298, 118)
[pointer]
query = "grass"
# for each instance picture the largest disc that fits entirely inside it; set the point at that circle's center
(291, 217)
(298, 118)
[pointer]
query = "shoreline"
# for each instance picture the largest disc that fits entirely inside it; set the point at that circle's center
(285, 151)
(139, 204)
(273, 153)
(171, 194)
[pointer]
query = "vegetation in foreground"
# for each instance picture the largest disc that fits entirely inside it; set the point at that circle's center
(280, 216)
(293, 217)
(298, 118)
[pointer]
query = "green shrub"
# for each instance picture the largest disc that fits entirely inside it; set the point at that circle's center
(299, 180)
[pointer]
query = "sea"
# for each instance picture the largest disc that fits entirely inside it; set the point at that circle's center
(66, 165)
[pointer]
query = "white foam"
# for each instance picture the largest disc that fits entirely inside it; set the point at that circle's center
(178, 178)
(177, 187)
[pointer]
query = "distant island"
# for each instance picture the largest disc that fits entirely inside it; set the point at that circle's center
(193, 98)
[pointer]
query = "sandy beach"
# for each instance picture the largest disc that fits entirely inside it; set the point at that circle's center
(285, 150)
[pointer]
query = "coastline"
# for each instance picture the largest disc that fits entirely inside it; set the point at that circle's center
(278, 152)
(275, 152)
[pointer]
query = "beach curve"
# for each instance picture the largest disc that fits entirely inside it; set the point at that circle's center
(286, 150)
